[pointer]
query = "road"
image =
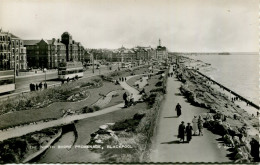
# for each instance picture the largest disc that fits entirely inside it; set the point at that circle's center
(166, 146)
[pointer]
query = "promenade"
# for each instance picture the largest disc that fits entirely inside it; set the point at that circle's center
(166, 146)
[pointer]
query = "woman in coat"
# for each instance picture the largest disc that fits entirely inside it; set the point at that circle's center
(195, 125)
(200, 125)
(189, 132)
(181, 131)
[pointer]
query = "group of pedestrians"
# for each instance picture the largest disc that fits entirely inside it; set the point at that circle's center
(170, 74)
(129, 99)
(196, 128)
(36, 87)
(122, 78)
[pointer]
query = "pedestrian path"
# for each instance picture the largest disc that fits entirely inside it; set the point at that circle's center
(130, 89)
(166, 146)
(22, 130)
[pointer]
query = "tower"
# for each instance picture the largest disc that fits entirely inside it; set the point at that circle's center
(66, 39)
(159, 42)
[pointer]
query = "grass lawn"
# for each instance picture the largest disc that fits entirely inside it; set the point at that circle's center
(131, 81)
(55, 110)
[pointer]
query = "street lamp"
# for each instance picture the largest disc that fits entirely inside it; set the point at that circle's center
(45, 73)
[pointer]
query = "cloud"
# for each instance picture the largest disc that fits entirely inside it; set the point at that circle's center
(182, 25)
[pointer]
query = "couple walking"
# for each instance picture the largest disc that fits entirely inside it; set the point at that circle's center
(197, 125)
(129, 99)
(185, 130)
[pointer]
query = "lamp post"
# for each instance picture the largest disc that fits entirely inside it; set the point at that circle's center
(92, 63)
(45, 73)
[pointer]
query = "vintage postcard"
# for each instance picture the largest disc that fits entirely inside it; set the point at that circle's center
(129, 81)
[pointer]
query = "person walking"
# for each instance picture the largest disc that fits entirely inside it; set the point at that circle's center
(200, 125)
(189, 132)
(33, 87)
(30, 86)
(131, 99)
(195, 125)
(125, 99)
(254, 149)
(45, 85)
(178, 109)
(181, 131)
(37, 86)
(40, 85)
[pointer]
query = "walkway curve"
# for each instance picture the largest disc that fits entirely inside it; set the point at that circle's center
(23, 130)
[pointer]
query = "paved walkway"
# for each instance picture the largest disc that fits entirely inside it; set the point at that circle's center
(19, 131)
(166, 146)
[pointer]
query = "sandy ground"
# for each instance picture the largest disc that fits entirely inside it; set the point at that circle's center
(166, 146)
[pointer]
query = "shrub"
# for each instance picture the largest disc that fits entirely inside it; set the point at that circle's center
(87, 84)
(159, 83)
(150, 100)
(96, 108)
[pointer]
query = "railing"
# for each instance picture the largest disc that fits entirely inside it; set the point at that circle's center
(229, 90)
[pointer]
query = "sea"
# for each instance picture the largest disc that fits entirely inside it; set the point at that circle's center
(238, 72)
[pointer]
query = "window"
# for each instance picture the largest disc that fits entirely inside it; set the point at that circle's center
(17, 58)
(21, 43)
(1, 38)
(17, 43)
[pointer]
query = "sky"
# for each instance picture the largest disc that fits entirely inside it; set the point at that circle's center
(182, 25)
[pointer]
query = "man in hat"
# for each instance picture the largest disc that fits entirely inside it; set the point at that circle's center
(181, 131)
(189, 132)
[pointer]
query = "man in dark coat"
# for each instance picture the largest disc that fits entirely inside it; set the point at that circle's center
(189, 132)
(255, 149)
(40, 85)
(181, 131)
(178, 109)
(30, 86)
(125, 99)
(45, 85)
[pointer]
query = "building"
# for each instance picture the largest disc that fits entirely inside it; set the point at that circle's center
(50, 53)
(45, 53)
(144, 54)
(74, 50)
(6, 60)
(18, 54)
(137, 54)
(161, 52)
(12, 52)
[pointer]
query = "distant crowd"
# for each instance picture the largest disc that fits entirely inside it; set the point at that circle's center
(36, 87)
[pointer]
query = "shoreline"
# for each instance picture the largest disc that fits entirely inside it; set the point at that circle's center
(233, 123)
